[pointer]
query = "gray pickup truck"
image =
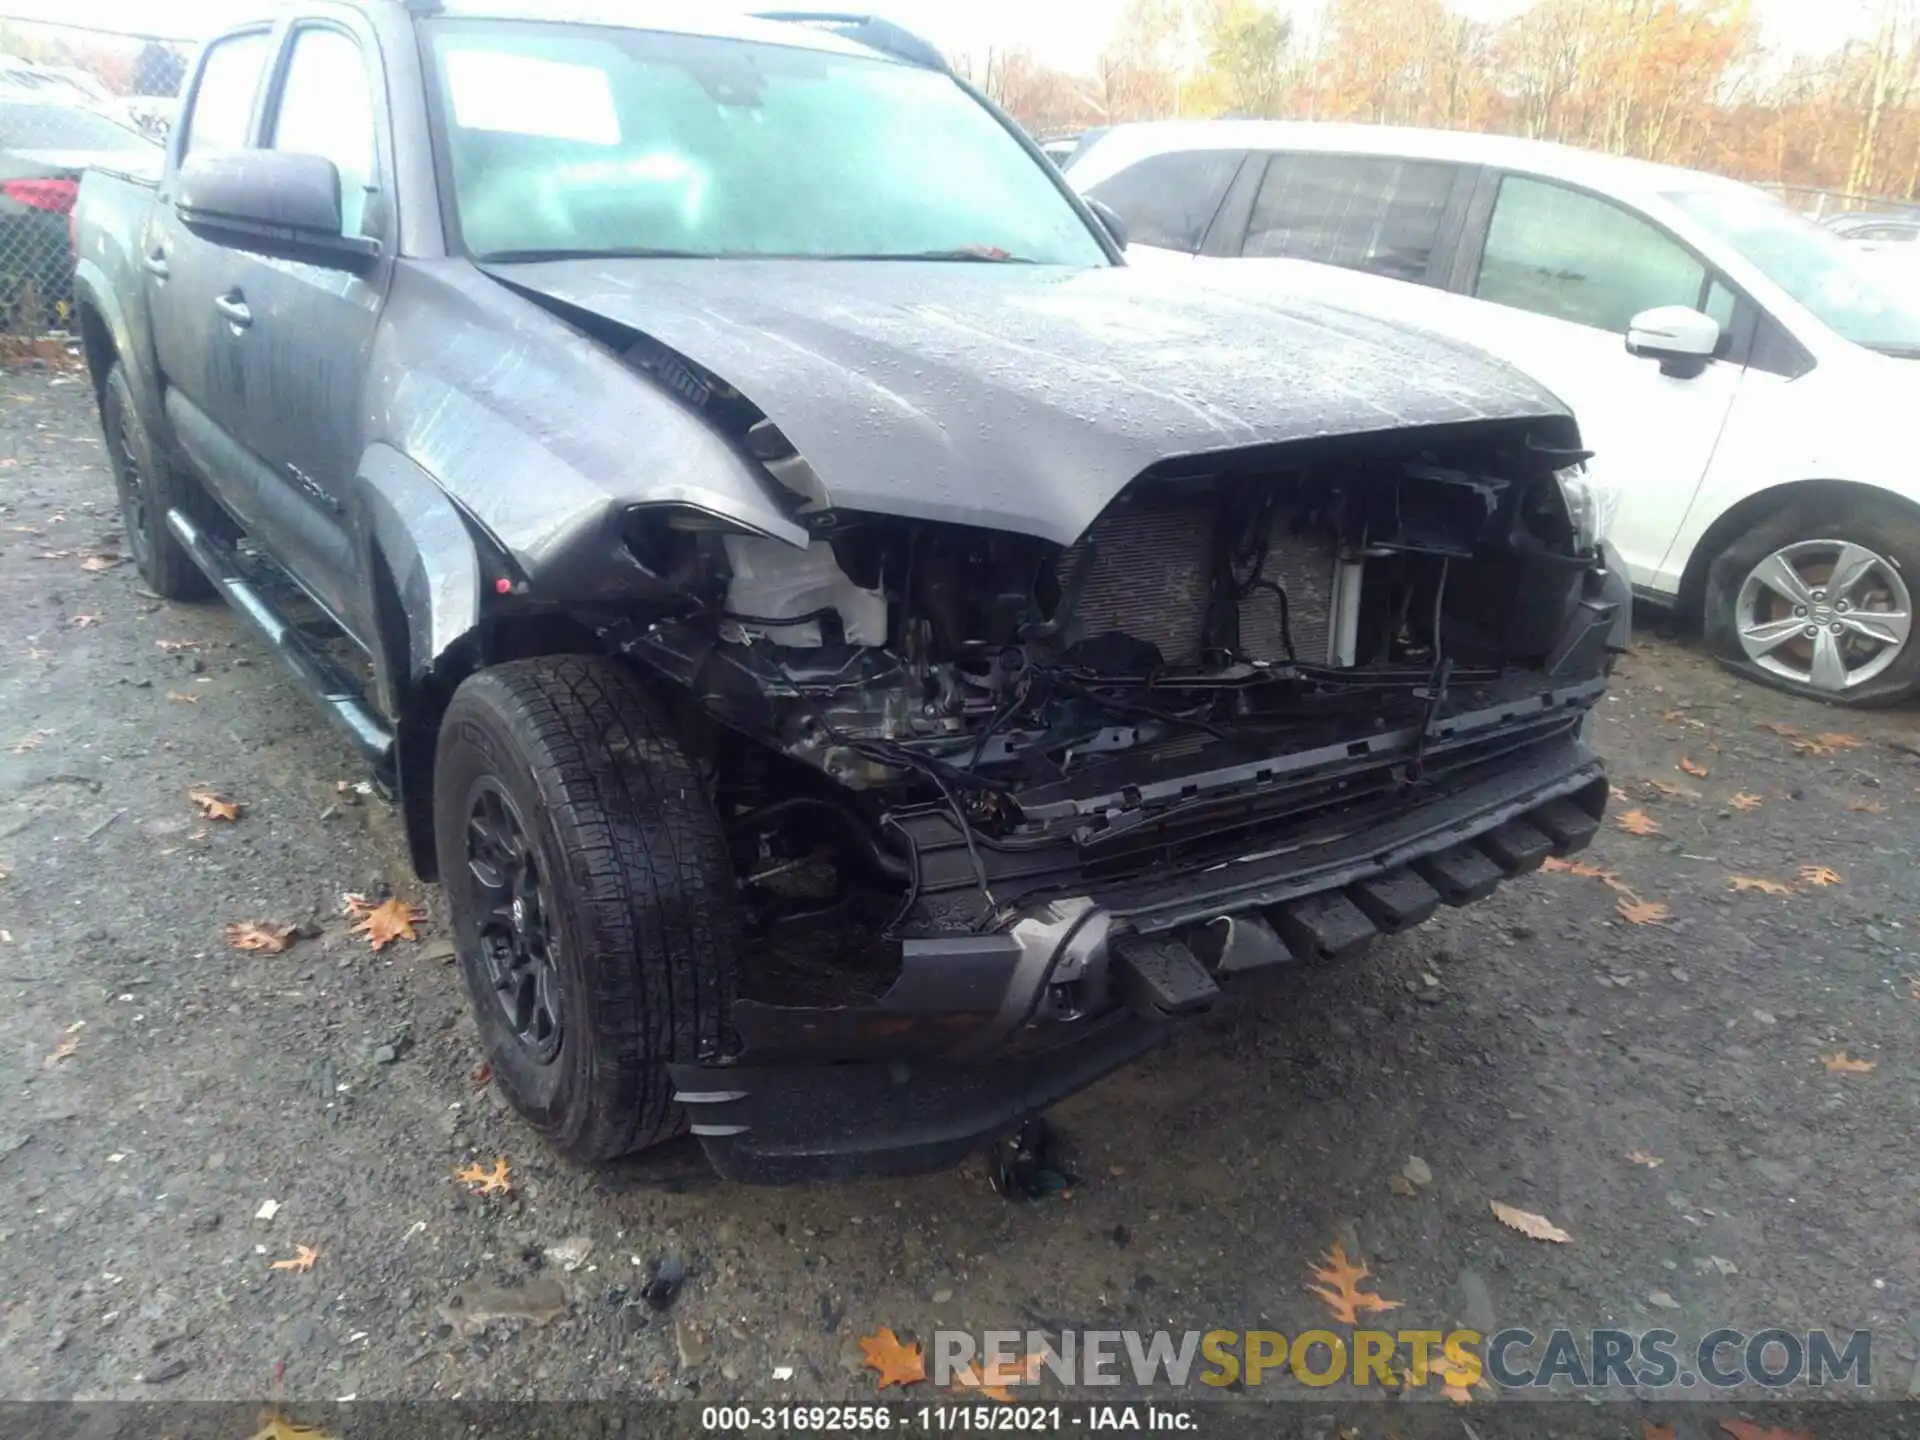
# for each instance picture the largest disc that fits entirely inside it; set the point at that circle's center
(863, 662)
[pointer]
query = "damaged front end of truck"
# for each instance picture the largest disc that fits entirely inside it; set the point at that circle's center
(1005, 811)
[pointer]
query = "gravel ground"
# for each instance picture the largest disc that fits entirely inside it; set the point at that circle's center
(158, 1089)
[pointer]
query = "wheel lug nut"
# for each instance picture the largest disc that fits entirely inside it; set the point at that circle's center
(1812, 630)
(1800, 611)
(1819, 595)
(1837, 629)
(1843, 607)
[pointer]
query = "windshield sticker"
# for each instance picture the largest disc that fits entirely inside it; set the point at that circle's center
(521, 95)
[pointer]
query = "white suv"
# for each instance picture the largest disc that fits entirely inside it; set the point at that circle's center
(1740, 373)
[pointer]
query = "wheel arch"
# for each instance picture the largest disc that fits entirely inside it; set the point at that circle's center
(1742, 516)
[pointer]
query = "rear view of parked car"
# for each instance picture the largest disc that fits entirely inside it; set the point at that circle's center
(45, 147)
(1743, 376)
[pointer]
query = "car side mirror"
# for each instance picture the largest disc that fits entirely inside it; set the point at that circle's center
(1110, 221)
(272, 202)
(1682, 339)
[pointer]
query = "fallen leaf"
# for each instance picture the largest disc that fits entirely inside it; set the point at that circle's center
(496, 1181)
(21, 747)
(1637, 822)
(1400, 1185)
(1651, 1431)
(278, 1427)
(1672, 717)
(1840, 1063)
(303, 1258)
(54, 555)
(995, 1380)
(1641, 1157)
(1672, 791)
(104, 560)
(1608, 878)
(84, 622)
(1636, 911)
(179, 699)
(1342, 1291)
(1453, 1382)
(1746, 1430)
(1785, 732)
(1693, 768)
(1744, 801)
(173, 646)
(1744, 883)
(1913, 987)
(1820, 875)
(261, 935)
(215, 806)
(389, 921)
(1839, 741)
(64, 1050)
(896, 1363)
(1867, 807)
(1534, 1227)
(483, 1076)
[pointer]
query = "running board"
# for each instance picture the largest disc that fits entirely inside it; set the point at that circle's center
(313, 667)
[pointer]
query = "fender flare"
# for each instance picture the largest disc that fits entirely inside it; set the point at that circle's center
(93, 290)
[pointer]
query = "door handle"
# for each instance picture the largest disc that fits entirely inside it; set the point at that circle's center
(233, 305)
(154, 262)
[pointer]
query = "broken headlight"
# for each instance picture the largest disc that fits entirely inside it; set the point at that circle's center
(1591, 503)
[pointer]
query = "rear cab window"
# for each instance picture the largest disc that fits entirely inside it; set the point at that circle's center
(1379, 214)
(1169, 201)
(220, 116)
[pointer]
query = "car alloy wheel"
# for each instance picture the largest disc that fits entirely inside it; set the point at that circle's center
(1828, 614)
(515, 908)
(135, 503)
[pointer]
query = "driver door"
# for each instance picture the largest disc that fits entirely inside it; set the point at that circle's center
(1563, 271)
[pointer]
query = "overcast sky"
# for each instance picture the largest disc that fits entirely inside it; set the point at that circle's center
(1062, 32)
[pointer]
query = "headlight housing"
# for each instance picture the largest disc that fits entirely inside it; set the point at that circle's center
(1591, 503)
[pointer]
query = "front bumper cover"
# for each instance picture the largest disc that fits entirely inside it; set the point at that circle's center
(981, 1031)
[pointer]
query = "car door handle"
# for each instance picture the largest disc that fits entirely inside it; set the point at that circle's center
(233, 305)
(155, 264)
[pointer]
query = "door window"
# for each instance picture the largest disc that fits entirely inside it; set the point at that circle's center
(1576, 257)
(223, 100)
(1373, 213)
(326, 109)
(1169, 201)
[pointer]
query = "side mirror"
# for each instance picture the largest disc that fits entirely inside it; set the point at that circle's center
(272, 202)
(1681, 339)
(1110, 221)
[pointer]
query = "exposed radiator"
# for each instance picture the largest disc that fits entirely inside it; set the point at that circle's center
(1150, 580)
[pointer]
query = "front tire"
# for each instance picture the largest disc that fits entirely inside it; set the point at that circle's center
(148, 487)
(592, 897)
(1822, 607)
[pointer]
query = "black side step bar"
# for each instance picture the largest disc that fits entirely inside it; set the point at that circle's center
(312, 666)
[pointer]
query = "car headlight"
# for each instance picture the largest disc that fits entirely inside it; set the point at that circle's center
(1591, 503)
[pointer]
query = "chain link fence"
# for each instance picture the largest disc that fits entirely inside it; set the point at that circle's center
(70, 98)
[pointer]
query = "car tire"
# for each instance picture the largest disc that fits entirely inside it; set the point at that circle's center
(1773, 615)
(148, 487)
(598, 940)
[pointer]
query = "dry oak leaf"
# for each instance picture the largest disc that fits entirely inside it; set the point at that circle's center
(1641, 1157)
(1840, 1063)
(303, 1258)
(1534, 1227)
(21, 747)
(1693, 768)
(214, 805)
(1651, 1431)
(261, 935)
(172, 646)
(69, 1043)
(1672, 791)
(1820, 875)
(1636, 911)
(1342, 1290)
(486, 1182)
(389, 921)
(897, 1363)
(278, 1427)
(994, 1380)
(1744, 883)
(1747, 1430)
(104, 560)
(1744, 801)
(1827, 742)
(1637, 822)
(84, 622)
(1867, 807)
(1454, 1382)
(1785, 732)
(179, 699)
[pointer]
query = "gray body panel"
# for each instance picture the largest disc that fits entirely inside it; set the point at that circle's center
(1025, 398)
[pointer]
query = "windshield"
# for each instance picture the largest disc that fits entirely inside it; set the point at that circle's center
(1832, 278)
(566, 140)
(55, 127)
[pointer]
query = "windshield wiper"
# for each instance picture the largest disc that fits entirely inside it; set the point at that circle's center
(971, 254)
(613, 252)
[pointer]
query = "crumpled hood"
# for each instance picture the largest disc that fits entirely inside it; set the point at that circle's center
(1026, 397)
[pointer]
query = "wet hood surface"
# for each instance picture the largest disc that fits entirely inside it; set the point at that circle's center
(1026, 397)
